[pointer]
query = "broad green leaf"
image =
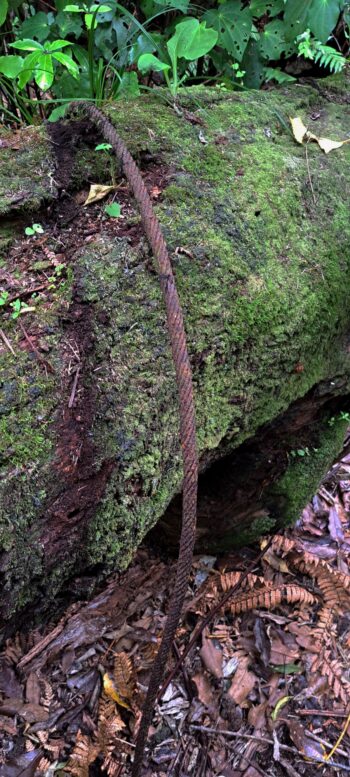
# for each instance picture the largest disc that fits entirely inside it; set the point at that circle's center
(194, 40)
(82, 56)
(253, 65)
(272, 40)
(57, 44)
(149, 62)
(100, 8)
(177, 5)
(69, 25)
(295, 18)
(233, 25)
(36, 26)
(3, 10)
(27, 45)
(28, 67)
(58, 113)
(323, 17)
(43, 74)
(67, 62)
(261, 7)
(129, 85)
(73, 8)
(11, 65)
(113, 210)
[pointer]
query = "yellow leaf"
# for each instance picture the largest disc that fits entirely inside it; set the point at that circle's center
(302, 135)
(111, 691)
(328, 145)
(299, 129)
(98, 192)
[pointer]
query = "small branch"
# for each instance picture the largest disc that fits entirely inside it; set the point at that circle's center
(309, 175)
(7, 342)
(42, 361)
(74, 388)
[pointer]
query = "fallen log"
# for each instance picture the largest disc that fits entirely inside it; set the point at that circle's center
(258, 232)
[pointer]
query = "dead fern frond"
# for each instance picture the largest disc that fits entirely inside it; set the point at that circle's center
(83, 755)
(124, 676)
(231, 579)
(333, 670)
(261, 593)
(335, 585)
(48, 695)
(43, 765)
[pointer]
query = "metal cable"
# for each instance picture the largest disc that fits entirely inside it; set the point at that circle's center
(183, 371)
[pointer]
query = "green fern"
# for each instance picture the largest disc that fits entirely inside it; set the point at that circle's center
(310, 48)
(328, 57)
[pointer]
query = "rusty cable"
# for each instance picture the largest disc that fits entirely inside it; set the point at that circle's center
(183, 372)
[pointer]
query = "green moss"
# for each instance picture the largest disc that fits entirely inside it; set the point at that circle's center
(307, 467)
(26, 171)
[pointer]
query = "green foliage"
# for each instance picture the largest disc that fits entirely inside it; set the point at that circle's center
(109, 50)
(190, 41)
(113, 210)
(326, 56)
(35, 229)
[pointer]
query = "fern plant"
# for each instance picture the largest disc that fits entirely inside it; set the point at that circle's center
(324, 55)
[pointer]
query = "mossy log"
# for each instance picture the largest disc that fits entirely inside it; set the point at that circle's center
(258, 229)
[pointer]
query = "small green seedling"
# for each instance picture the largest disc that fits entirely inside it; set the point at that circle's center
(35, 229)
(103, 147)
(238, 73)
(19, 307)
(16, 308)
(113, 210)
(4, 295)
(106, 147)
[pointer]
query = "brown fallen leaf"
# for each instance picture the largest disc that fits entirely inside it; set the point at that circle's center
(204, 690)
(243, 681)
(33, 690)
(31, 713)
(211, 656)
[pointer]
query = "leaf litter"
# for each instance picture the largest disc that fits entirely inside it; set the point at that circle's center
(266, 690)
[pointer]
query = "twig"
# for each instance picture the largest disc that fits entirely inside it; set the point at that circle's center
(324, 742)
(203, 623)
(7, 342)
(339, 740)
(74, 388)
(309, 174)
(42, 361)
(40, 646)
(267, 741)
(26, 292)
(323, 713)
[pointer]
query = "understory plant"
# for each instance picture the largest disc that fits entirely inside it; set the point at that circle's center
(110, 50)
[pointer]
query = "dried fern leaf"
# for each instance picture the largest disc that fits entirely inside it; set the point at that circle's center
(124, 677)
(83, 755)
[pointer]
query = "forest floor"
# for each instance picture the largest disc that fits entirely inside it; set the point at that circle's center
(264, 690)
